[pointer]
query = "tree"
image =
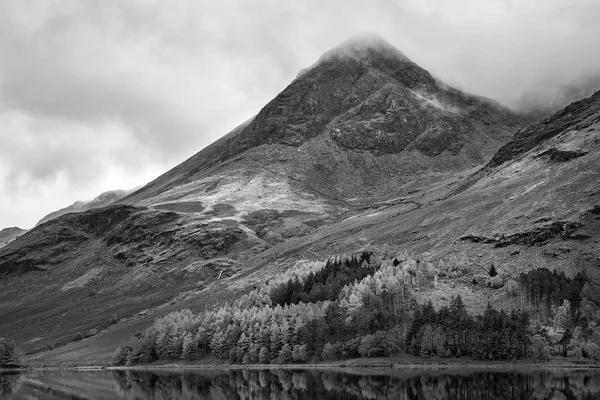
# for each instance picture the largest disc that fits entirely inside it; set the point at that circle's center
(540, 348)
(562, 315)
(367, 345)
(328, 352)
(217, 345)
(186, 348)
(246, 359)
(575, 352)
(439, 341)
(592, 350)
(493, 272)
(253, 353)
(263, 355)
(9, 354)
(285, 355)
(392, 341)
(299, 354)
(119, 357)
(427, 341)
(243, 346)
(276, 340)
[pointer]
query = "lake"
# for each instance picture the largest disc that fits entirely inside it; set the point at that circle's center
(225, 384)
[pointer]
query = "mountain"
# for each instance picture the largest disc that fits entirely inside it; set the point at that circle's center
(7, 235)
(102, 200)
(363, 121)
(363, 150)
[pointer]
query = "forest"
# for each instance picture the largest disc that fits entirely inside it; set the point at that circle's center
(364, 306)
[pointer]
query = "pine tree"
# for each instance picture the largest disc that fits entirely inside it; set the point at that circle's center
(276, 340)
(243, 346)
(186, 349)
(217, 345)
(161, 345)
(263, 355)
(427, 341)
(439, 340)
(232, 355)
(201, 342)
(253, 353)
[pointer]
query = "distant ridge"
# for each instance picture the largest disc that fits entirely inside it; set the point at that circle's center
(101, 200)
(7, 235)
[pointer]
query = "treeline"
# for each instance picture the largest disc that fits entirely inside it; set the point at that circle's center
(324, 284)
(9, 354)
(363, 306)
(567, 306)
(451, 331)
(255, 329)
(345, 308)
(545, 290)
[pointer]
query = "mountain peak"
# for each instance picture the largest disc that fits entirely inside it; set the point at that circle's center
(364, 47)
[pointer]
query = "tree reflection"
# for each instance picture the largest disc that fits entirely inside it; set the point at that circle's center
(9, 384)
(252, 384)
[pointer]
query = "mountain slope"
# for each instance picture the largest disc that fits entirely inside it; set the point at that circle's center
(358, 149)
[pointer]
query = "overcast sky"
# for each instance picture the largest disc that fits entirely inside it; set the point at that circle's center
(100, 95)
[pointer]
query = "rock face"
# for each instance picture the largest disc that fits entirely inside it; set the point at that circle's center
(366, 95)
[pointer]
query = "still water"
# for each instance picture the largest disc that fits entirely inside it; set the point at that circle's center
(301, 384)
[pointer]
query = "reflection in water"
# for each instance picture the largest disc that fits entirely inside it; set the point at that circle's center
(9, 383)
(302, 384)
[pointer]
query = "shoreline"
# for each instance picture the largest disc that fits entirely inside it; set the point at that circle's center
(366, 367)
(374, 365)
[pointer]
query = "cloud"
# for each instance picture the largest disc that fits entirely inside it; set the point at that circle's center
(126, 89)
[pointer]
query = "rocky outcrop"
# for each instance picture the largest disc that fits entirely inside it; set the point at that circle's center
(566, 230)
(560, 155)
(576, 116)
